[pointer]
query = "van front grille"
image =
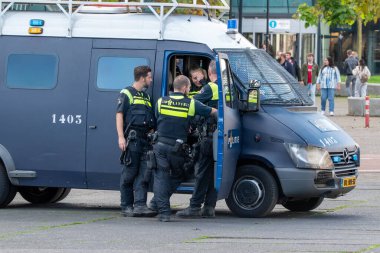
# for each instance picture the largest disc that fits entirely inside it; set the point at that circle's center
(345, 163)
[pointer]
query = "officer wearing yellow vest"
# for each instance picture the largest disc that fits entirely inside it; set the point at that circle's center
(198, 78)
(204, 190)
(134, 120)
(173, 115)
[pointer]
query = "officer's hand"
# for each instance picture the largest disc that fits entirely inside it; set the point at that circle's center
(122, 143)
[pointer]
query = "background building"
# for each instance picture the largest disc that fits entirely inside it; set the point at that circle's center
(286, 34)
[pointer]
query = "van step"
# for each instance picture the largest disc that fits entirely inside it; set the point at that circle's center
(22, 174)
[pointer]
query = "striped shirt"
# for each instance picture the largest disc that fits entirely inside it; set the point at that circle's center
(329, 77)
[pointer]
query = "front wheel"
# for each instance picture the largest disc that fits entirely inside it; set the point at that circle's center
(7, 190)
(303, 205)
(41, 195)
(254, 192)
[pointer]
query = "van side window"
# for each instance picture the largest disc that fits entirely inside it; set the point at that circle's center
(227, 83)
(115, 73)
(32, 71)
(183, 64)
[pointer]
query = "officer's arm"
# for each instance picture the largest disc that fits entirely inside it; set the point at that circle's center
(205, 95)
(204, 110)
(122, 107)
(120, 132)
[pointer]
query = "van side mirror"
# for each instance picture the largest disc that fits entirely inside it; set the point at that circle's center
(254, 84)
(253, 100)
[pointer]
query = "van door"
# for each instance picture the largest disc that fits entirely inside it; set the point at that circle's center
(111, 71)
(229, 129)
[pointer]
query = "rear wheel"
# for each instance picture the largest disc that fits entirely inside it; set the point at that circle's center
(7, 190)
(254, 192)
(303, 205)
(41, 195)
(66, 192)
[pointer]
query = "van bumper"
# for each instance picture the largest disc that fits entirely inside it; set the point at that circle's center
(306, 183)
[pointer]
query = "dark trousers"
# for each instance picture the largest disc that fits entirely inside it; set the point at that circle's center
(133, 191)
(204, 189)
(167, 176)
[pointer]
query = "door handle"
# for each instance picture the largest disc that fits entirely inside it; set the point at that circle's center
(92, 127)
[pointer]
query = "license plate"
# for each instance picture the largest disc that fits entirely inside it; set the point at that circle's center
(348, 182)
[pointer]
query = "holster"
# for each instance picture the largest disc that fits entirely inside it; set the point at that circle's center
(151, 165)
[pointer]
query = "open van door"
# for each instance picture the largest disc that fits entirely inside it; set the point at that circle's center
(228, 134)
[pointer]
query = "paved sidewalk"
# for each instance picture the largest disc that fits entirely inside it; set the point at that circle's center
(367, 138)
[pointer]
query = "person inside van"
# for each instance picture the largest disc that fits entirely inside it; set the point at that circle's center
(198, 78)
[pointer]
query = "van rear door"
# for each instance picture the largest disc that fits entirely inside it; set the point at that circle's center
(229, 129)
(111, 71)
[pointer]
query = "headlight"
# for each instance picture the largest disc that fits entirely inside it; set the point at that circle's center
(309, 157)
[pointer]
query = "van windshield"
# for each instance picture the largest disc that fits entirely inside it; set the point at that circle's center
(277, 85)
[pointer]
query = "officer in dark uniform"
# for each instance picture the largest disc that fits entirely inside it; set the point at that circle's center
(204, 190)
(134, 120)
(173, 114)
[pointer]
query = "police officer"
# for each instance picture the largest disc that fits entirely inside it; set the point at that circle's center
(204, 190)
(173, 114)
(134, 120)
(198, 78)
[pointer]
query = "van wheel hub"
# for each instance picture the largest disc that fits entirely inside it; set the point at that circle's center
(248, 193)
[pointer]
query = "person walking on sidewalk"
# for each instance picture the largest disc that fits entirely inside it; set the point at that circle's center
(349, 64)
(328, 80)
(309, 75)
(362, 75)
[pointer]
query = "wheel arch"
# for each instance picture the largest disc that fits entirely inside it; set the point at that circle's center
(259, 161)
(7, 160)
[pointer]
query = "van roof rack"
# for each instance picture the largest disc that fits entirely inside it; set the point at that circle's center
(160, 9)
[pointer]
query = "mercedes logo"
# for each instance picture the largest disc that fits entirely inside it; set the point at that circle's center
(346, 156)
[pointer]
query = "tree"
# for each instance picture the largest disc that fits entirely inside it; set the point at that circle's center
(341, 12)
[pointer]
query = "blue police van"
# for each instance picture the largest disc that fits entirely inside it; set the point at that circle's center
(60, 74)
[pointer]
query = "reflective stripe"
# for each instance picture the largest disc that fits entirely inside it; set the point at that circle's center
(129, 95)
(136, 100)
(192, 94)
(192, 108)
(214, 88)
(170, 112)
(175, 108)
(159, 105)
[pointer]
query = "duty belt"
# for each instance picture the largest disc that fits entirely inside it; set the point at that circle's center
(165, 140)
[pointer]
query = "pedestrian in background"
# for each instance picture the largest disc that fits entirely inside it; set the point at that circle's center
(287, 65)
(309, 75)
(362, 75)
(349, 64)
(328, 80)
(295, 66)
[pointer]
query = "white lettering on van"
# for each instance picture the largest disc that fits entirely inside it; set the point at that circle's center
(66, 119)
(328, 141)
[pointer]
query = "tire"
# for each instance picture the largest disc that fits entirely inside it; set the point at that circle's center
(41, 195)
(303, 205)
(65, 192)
(254, 192)
(7, 190)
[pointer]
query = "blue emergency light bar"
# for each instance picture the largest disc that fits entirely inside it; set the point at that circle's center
(37, 22)
(232, 26)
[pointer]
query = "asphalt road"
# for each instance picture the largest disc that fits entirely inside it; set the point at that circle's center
(89, 221)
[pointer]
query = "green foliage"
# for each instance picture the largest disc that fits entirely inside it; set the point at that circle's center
(339, 12)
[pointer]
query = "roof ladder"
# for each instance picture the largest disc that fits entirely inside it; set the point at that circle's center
(157, 8)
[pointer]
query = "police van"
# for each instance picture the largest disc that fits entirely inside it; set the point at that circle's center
(63, 64)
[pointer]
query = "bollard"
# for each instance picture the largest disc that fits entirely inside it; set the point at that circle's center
(367, 111)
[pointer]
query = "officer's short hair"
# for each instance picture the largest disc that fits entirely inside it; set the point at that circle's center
(349, 52)
(212, 67)
(141, 71)
(180, 82)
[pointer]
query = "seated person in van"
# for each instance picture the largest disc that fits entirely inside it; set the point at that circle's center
(198, 77)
